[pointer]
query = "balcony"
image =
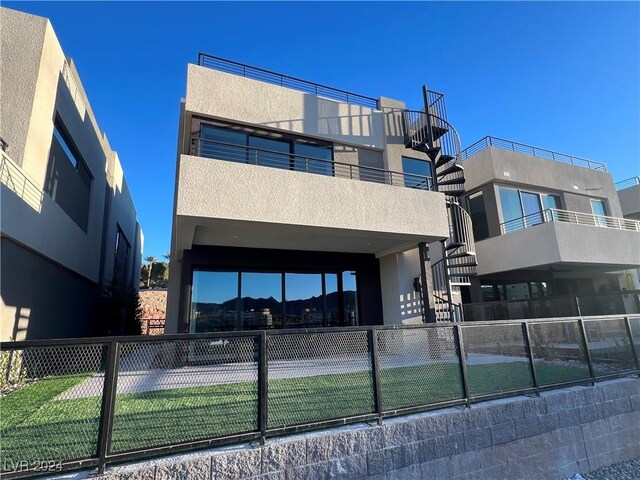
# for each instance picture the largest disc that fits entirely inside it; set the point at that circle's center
(560, 240)
(501, 143)
(253, 198)
(556, 215)
(287, 161)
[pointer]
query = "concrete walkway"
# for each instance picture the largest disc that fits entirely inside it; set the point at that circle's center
(136, 376)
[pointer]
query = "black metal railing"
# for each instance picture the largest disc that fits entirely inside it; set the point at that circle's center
(255, 73)
(567, 216)
(289, 161)
(86, 403)
(629, 182)
(531, 150)
(613, 303)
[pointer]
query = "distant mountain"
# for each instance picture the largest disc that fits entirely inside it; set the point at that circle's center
(293, 306)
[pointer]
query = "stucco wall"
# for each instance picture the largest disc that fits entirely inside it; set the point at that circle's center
(244, 100)
(630, 201)
(317, 205)
(555, 436)
(556, 242)
(576, 184)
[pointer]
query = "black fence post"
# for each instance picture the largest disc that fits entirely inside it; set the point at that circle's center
(585, 345)
(108, 404)
(262, 385)
(634, 352)
(457, 333)
(532, 363)
(372, 337)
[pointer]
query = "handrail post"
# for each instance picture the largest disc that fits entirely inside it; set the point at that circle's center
(108, 404)
(262, 385)
(372, 337)
(577, 302)
(587, 353)
(532, 363)
(457, 335)
(634, 352)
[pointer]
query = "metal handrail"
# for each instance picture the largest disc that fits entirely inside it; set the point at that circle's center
(416, 123)
(629, 182)
(256, 73)
(12, 175)
(290, 161)
(490, 141)
(567, 216)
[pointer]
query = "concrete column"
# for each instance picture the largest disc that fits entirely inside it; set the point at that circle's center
(428, 302)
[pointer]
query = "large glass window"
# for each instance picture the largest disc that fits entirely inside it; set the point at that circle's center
(261, 300)
(214, 301)
(551, 201)
(269, 152)
(222, 143)
(350, 298)
(254, 300)
(307, 155)
(511, 209)
(478, 214)
(598, 208)
(532, 209)
(417, 173)
(304, 300)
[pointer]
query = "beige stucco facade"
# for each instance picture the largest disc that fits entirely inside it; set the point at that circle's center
(229, 204)
(39, 85)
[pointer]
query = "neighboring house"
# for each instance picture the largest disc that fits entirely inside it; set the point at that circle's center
(546, 225)
(629, 196)
(69, 227)
(301, 205)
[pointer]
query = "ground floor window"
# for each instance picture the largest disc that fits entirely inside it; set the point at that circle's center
(245, 300)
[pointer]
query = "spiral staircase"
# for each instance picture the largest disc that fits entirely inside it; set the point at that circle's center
(429, 132)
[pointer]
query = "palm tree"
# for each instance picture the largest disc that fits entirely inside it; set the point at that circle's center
(150, 260)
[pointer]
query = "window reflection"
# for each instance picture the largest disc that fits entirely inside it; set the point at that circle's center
(214, 301)
(261, 300)
(224, 301)
(304, 300)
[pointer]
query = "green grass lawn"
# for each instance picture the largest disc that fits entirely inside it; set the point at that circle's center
(35, 425)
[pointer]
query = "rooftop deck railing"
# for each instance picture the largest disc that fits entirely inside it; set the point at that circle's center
(629, 182)
(90, 402)
(255, 73)
(290, 161)
(490, 141)
(566, 216)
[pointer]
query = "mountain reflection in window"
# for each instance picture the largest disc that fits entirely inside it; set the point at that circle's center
(227, 301)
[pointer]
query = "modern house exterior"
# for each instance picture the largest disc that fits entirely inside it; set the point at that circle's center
(302, 205)
(549, 227)
(68, 223)
(629, 197)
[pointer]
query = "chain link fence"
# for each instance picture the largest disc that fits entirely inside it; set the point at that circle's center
(88, 402)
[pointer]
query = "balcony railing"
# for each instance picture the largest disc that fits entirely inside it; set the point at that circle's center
(319, 166)
(629, 182)
(12, 175)
(531, 150)
(255, 73)
(566, 216)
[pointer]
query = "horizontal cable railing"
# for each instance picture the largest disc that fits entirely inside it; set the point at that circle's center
(12, 175)
(255, 73)
(87, 403)
(629, 182)
(612, 303)
(290, 161)
(566, 216)
(531, 150)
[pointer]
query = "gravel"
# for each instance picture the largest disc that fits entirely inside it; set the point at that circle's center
(629, 470)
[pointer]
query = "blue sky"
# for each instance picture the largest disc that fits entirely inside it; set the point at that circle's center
(565, 76)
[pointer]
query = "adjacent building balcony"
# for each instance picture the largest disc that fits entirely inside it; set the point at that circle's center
(555, 239)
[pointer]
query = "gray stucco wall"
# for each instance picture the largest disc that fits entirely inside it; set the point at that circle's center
(555, 242)
(575, 184)
(41, 299)
(554, 436)
(630, 201)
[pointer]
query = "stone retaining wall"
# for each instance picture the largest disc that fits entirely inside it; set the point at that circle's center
(554, 436)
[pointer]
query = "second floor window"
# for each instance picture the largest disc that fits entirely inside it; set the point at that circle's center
(240, 146)
(478, 213)
(521, 209)
(417, 173)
